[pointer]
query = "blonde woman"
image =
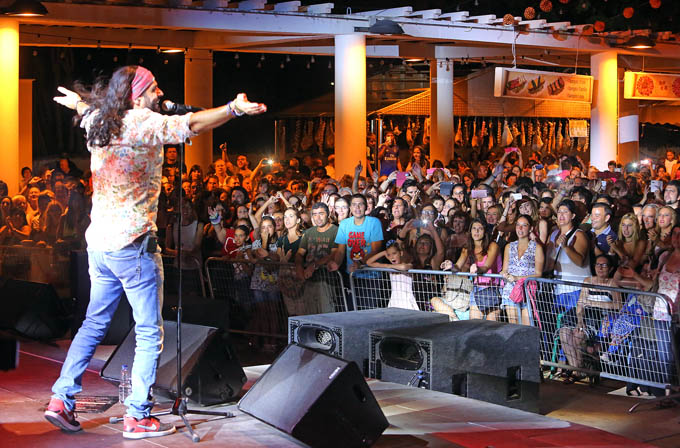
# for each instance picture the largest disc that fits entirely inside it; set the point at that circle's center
(629, 246)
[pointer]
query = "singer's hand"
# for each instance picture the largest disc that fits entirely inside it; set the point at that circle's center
(242, 105)
(70, 98)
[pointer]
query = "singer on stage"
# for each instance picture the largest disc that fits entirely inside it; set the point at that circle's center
(125, 136)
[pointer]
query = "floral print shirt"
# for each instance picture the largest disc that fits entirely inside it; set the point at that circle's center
(126, 176)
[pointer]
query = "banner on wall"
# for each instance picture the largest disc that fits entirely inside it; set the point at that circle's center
(539, 85)
(651, 86)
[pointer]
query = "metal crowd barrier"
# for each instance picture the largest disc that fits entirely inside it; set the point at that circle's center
(613, 334)
(605, 331)
(461, 295)
(262, 295)
(37, 264)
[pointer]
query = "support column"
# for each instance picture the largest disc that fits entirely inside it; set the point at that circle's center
(9, 103)
(604, 110)
(350, 103)
(26, 123)
(628, 151)
(441, 110)
(198, 91)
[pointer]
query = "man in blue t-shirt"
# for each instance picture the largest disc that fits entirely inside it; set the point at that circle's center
(388, 155)
(357, 237)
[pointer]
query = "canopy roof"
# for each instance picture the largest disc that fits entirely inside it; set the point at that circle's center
(291, 28)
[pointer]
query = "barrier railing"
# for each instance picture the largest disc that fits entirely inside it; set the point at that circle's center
(617, 333)
(460, 295)
(262, 295)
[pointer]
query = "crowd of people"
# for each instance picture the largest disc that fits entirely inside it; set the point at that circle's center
(550, 215)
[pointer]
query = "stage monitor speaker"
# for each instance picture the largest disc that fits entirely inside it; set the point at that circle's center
(211, 372)
(33, 310)
(345, 335)
(486, 360)
(319, 399)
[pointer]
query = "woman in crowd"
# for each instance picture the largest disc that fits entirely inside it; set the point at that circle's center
(591, 310)
(660, 236)
(264, 280)
(522, 258)
(569, 249)
(401, 283)
(480, 256)
(341, 209)
(16, 228)
(629, 247)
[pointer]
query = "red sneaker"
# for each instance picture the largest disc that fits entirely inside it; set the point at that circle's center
(62, 418)
(146, 427)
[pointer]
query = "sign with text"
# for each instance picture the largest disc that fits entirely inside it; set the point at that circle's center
(651, 86)
(539, 85)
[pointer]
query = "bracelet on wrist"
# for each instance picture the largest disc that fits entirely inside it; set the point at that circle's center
(233, 110)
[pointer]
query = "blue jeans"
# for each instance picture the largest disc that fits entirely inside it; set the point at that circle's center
(140, 275)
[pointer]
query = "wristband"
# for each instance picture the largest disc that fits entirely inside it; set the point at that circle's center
(233, 111)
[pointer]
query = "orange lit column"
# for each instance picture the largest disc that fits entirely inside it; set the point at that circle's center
(629, 149)
(198, 91)
(9, 103)
(441, 110)
(350, 103)
(604, 110)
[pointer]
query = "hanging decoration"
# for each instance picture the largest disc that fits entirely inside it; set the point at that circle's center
(564, 2)
(508, 20)
(546, 5)
(599, 26)
(584, 5)
(628, 12)
(656, 4)
(529, 13)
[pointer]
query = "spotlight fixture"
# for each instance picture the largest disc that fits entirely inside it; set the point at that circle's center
(172, 50)
(26, 8)
(639, 43)
(381, 27)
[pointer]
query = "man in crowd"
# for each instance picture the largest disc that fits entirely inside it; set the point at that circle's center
(358, 236)
(315, 253)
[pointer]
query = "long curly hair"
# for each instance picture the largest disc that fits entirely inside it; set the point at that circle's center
(111, 98)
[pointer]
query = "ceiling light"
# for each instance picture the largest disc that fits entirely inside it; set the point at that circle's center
(382, 27)
(172, 50)
(639, 42)
(26, 8)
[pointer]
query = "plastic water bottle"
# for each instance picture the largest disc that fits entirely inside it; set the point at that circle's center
(125, 386)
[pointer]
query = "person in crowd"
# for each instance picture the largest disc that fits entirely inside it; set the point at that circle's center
(357, 237)
(241, 166)
(660, 236)
(74, 222)
(401, 283)
(15, 228)
(480, 256)
(602, 233)
(5, 207)
(314, 254)
(171, 158)
(522, 259)
(190, 234)
(341, 210)
(591, 310)
(388, 154)
(264, 280)
(629, 247)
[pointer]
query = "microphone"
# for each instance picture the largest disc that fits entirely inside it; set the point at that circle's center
(178, 109)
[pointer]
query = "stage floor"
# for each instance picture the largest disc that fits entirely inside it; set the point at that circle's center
(418, 418)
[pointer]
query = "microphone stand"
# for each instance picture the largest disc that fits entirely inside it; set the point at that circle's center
(179, 406)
